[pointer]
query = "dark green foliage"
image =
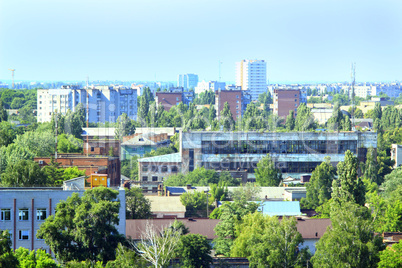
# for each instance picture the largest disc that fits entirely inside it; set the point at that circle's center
(137, 206)
(338, 121)
(7, 257)
(124, 127)
(348, 186)
(194, 251)
(266, 173)
(290, 121)
(3, 112)
(129, 168)
(371, 168)
(20, 98)
(319, 188)
(7, 133)
(304, 119)
(25, 173)
(126, 258)
(391, 256)
(35, 258)
(67, 143)
(231, 214)
(207, 97)
(350, 241)
(195, 203)
(226, 118)
(201, 177)
(88, 225)
(253, 118)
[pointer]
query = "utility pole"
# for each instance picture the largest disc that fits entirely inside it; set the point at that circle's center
(12, 75)
(87, 117)
(55, 121)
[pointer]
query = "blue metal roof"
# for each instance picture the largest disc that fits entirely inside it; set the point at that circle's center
(280, 208)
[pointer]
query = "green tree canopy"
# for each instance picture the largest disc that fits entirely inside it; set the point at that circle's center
(226, 118)
(304, 119)
(35, 258)
(267, 242)
(391, 256)
(67, 143)
(194, 251)
(25, 173)
(125, 126)
(137, 205)
(88, 225)
(266, 173)
(7, 257)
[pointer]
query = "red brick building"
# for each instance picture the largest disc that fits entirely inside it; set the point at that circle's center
(102, 147)
(286, 100)
(168, 99)
(235, 100)
(91, 165)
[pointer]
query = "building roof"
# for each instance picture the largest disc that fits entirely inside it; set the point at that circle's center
(98, 131)
(166, 204)
(280, 208)
(308, 228)
(134, 228)
(166, 158)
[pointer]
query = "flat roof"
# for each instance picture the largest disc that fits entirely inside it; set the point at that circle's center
(166, 158)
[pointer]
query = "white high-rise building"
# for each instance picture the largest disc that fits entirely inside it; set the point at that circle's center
(251, 75)
(105, 103)
(187, 81)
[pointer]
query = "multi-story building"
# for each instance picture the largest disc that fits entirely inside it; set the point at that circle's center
(294, 153)
(187, 81)
(396, 154)
(105, 103)
(23, 210)
(211, 85)
(251, 75)
(286, 100)
(237, 100)
(173, 97)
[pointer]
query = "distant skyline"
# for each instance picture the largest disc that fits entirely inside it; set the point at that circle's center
(301, 41)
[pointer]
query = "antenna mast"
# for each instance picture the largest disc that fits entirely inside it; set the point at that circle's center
(87, 115)
(353, 76)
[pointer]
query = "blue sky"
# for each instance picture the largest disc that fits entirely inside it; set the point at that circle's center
(302, 41)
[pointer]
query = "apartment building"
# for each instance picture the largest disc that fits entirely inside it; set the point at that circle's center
(286, 100)
(251, 75)
(23, 210)
(173, 97)
(237, 100)
(187, 81)
(211, 85)
(105, 103)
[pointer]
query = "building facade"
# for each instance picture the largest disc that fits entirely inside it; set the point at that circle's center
(293, 153)
(23, 210)
(187, 81)
(105, 103)
(211, 85)
(173, 97)
(251, 75)
(237, 100)
(285, 100)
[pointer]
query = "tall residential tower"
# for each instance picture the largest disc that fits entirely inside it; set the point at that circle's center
(251, 75)
(187, 81)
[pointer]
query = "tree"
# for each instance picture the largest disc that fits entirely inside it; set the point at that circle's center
(88, 225)
(350, 241)
(179, 227)
(7, 257)
(126, 258)
(137, 206)
(25, 173)
(39, 143)
(377, 111)
(35, 258)
(247, 192)
(266, 173)
(7, 133)
(290, 121)
(267, 242)
(219, 192)
(319, 188)
(304, 119)
(338, 121)
(392, 181)
(391, 256)
(157, 246)
(195, 203)
(349, 186)
(125, 127)
(67, 143)
(226, 118)
(211, 114)
(231, 214)
(371, 167)
(194, 251)
(3, 112)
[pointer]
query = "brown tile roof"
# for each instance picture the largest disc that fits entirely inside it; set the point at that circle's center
(309, 228)
(134, 228)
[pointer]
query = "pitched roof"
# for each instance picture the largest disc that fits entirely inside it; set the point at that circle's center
(134, 228)
(312, 228)
(166, 158)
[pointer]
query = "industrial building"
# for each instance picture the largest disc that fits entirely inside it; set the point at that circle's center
(105, 103)
(294, 153)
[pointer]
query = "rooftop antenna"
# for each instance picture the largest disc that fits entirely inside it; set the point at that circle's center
(87, 114)
(12, 75)
(353, 76)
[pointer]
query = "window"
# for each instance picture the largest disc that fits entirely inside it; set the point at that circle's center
(23, 235)
(154, 169)
(41, 214)
(154, 178)
(144, 178)
(23, 214)
(237, 101)
(295, 99)
(164, 169)
(174, 168)
(145, 169)
(177, 98)
(237, 96)
(295, 104)
(92, 149)
(5, 214)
